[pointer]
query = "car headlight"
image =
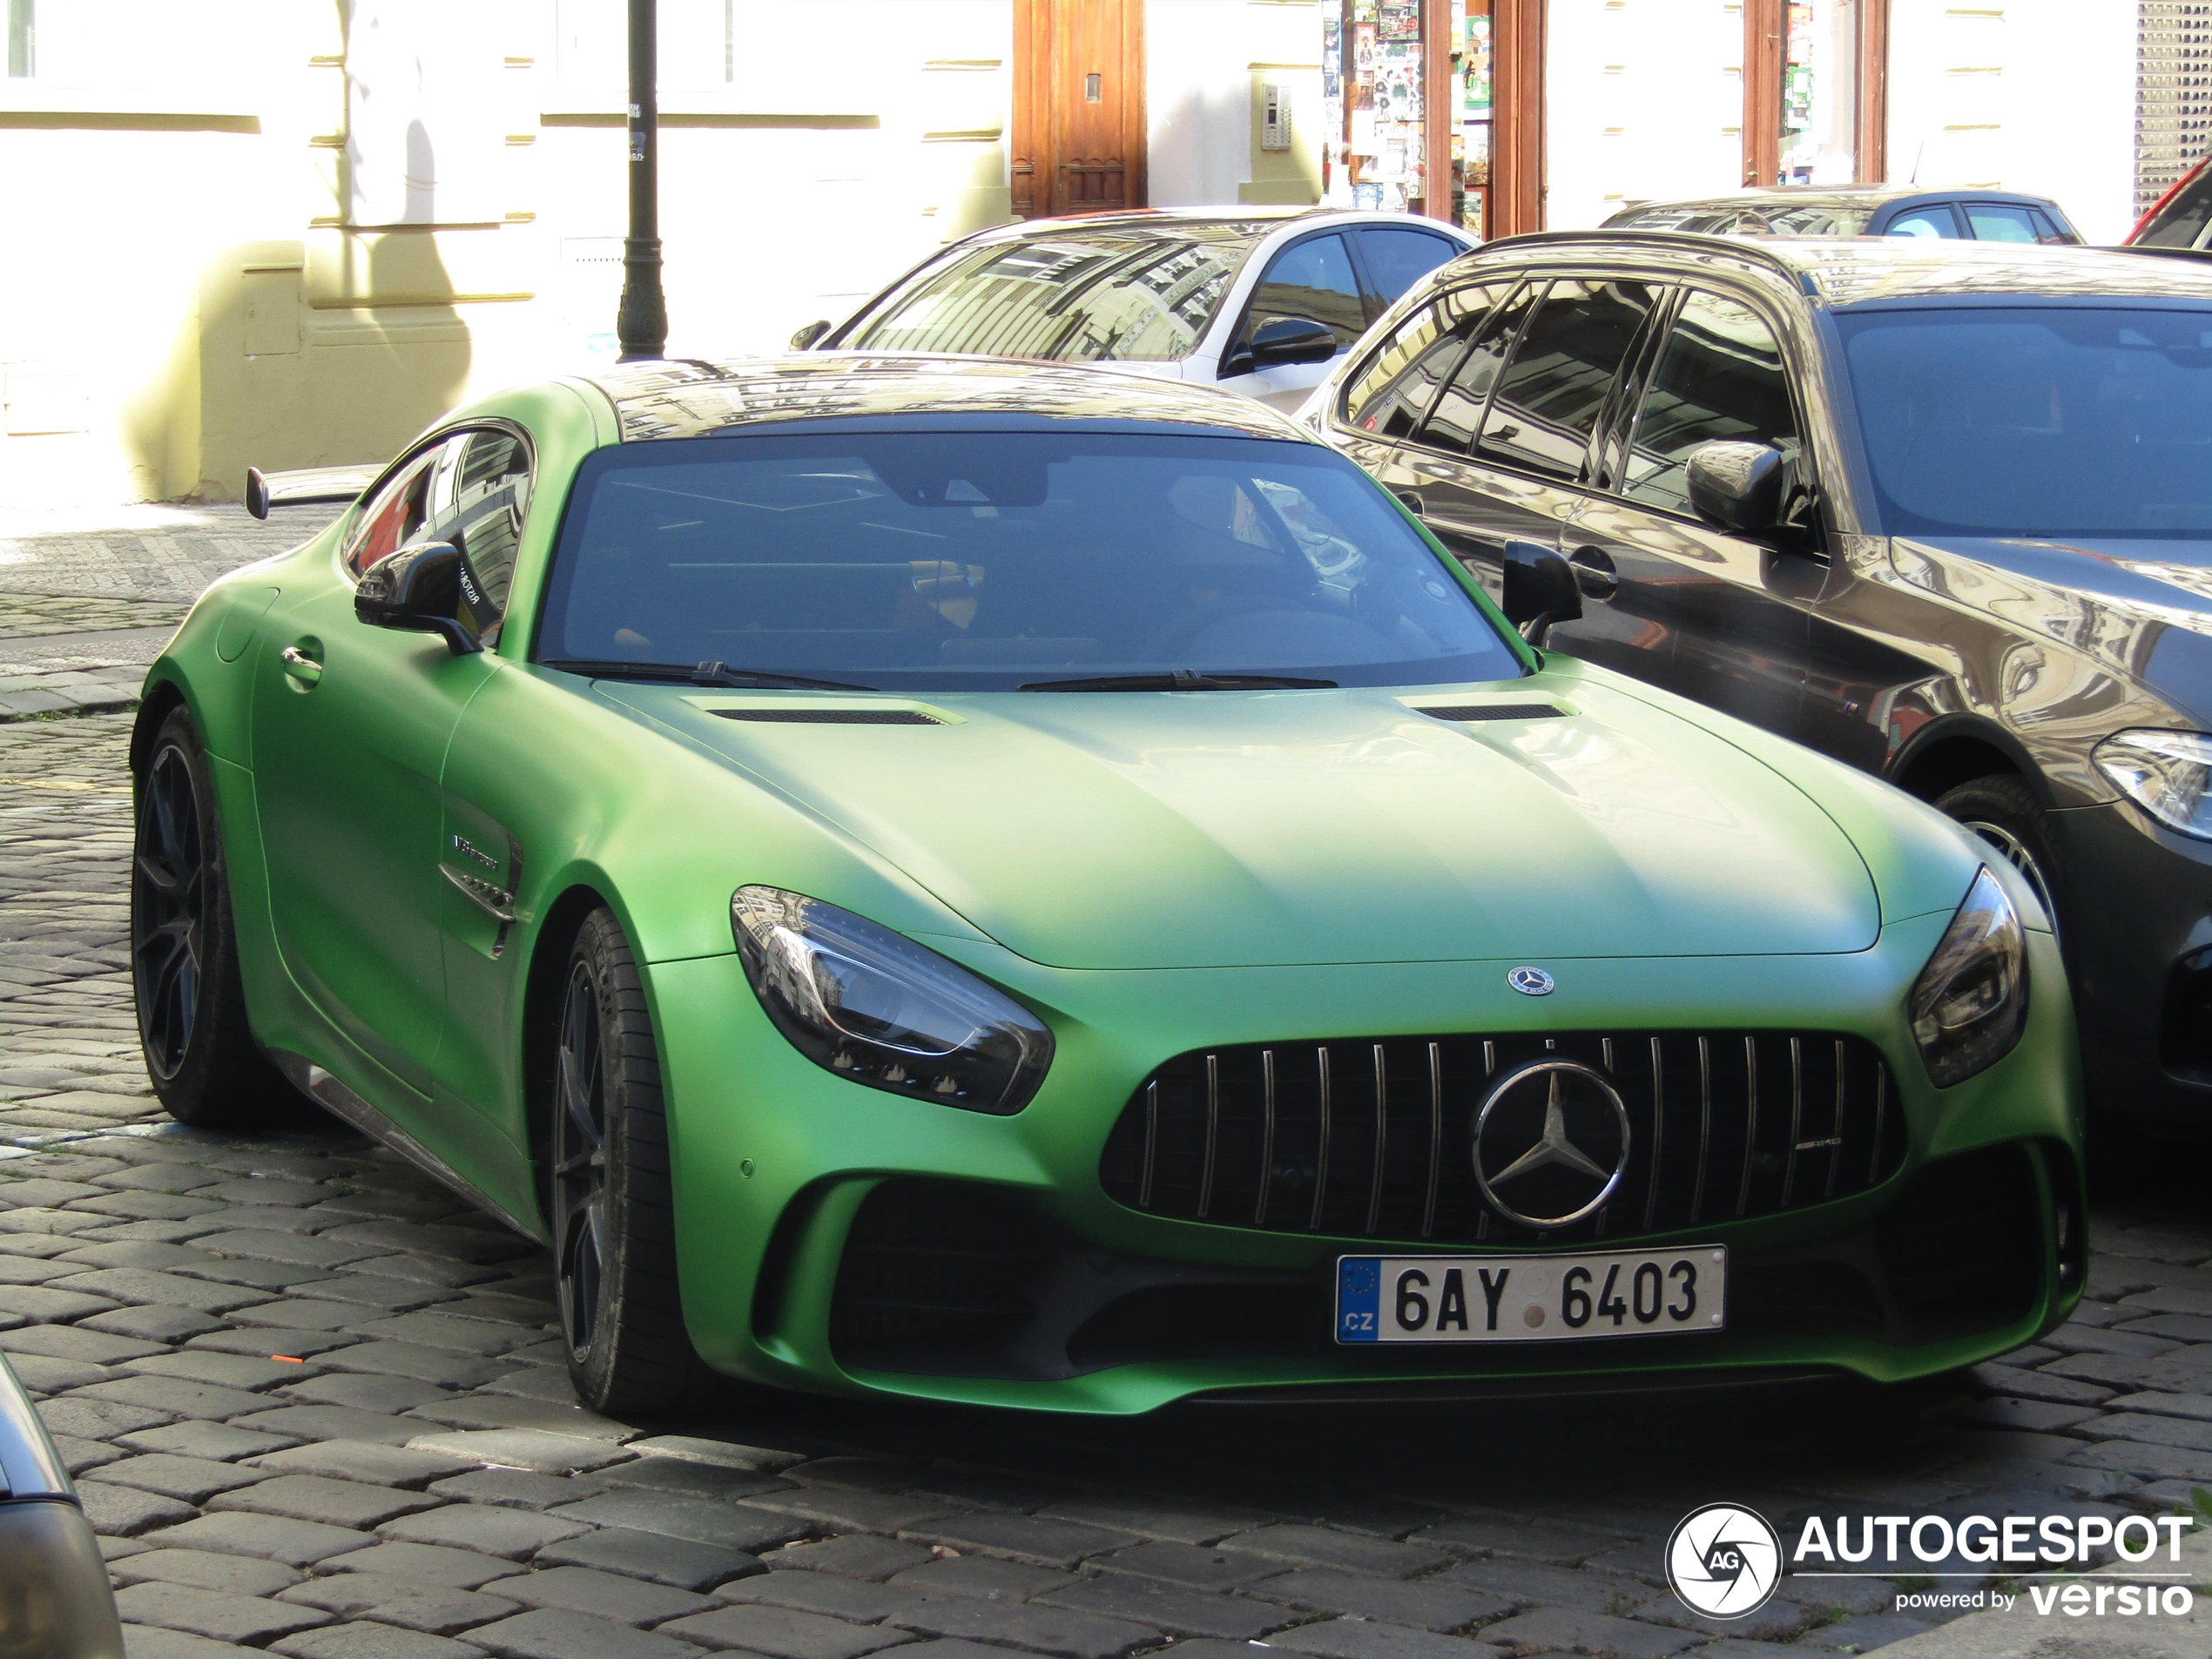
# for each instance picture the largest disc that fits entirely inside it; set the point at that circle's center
(872, 1005)
(2169, 774)
(1970, 1004)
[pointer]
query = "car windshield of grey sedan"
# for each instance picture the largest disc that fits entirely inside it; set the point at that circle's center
(1130, 294)
(2057, 422)
(1006, 560)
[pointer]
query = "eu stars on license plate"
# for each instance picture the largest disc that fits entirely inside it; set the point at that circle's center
(1530, 1298)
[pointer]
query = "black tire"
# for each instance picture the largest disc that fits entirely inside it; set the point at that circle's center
(192, 1028)
(612, 1208)
(2004, 812)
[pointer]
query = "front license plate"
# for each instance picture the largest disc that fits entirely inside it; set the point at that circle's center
(1530, 1298)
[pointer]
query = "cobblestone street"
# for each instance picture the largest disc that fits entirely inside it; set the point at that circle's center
(315, 1406)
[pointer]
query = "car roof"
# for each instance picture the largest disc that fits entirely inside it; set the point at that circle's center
(1220, 221)
(1841, 271)
(1829, 196)
(692, 398)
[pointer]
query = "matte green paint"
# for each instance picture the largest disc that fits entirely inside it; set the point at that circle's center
(1150, 872)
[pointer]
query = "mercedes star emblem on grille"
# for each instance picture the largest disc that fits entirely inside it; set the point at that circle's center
(1530, 982)
(1555, 1134)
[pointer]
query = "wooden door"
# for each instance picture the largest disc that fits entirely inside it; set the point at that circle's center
(1078, 106)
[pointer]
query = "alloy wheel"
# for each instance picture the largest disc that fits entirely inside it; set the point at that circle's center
(168, 913)
(2015, 853)
(581, 1222)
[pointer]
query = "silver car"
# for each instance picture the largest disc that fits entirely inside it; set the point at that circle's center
(55, 1603)
(1253, 300)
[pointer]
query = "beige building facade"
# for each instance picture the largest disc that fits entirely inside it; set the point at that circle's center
(290, 232)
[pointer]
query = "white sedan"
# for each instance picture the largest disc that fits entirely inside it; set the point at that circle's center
(1253, 300)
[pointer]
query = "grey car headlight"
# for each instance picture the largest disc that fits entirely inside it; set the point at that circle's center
(872, 1005)
(2169, 774)
(1970, 1004)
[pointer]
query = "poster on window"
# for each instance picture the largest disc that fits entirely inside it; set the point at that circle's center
(1402, 20)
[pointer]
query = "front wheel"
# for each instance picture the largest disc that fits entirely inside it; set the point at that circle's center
(200, 1049)
(613, 1208)
(2005, 813)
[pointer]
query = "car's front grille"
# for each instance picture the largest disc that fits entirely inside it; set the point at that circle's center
(1372, 1137)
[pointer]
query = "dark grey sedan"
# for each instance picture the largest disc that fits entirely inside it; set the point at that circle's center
(1860, 209)
(1941, 509)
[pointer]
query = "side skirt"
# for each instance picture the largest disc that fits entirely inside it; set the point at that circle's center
(341, 1101)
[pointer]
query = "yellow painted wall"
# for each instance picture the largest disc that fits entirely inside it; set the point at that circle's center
(186, 292)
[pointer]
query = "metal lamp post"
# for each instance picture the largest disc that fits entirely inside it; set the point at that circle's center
(642, 325)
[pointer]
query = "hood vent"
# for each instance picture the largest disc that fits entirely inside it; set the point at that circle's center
(1493, 711)
(832, 717)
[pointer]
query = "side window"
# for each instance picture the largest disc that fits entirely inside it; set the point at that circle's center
(397, 515)
(2046, 231)
(1549, 400)
(1451, 424)
(1397, 260)
(2000, 222)
(2181, 222)
(1937, 220)
(1393, 391)
(1721, 377)
(481, 496)
(1313, 279)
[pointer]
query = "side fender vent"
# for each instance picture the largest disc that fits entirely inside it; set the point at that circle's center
(832, 717)
(1492, 711)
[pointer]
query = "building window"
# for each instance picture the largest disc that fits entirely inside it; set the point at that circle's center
(2173, 93)
(22, 39)
(1815, 102)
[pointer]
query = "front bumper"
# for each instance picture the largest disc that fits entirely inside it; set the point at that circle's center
(2141, 943)
(832, 1238)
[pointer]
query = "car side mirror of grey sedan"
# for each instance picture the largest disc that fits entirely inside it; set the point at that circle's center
(804, 338)
(425, 590)
(1281, 343)
(1540, 590)
(1737, 486)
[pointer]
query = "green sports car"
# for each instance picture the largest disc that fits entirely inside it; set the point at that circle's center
(1017, 884)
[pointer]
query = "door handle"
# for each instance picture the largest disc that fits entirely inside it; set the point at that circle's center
(1594, 573)
(301, 668)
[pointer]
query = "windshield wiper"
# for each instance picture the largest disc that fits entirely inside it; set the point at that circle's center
(1183, 679)
(704, 674)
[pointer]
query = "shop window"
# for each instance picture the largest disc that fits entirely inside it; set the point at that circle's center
(1548, 402)
(1721, 377)
(1312, 279)
(1815, 99)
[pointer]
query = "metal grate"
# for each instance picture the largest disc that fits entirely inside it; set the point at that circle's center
(832, 716)
(2173, 93)
(1372, 1137)
(1495, 711)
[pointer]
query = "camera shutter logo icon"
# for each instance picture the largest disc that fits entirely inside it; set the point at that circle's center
(1725, 1561)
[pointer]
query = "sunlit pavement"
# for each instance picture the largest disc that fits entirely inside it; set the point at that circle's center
(315, 1405)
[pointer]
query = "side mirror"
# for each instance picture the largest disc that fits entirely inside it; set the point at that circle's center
(257, 493)
(1540, 590)
(1737, 486)
(1281, 343)
(426, 589)
(813, 330)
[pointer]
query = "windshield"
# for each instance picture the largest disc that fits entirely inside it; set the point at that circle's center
(1142, 294)
(2058, 423)
(991, 560)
